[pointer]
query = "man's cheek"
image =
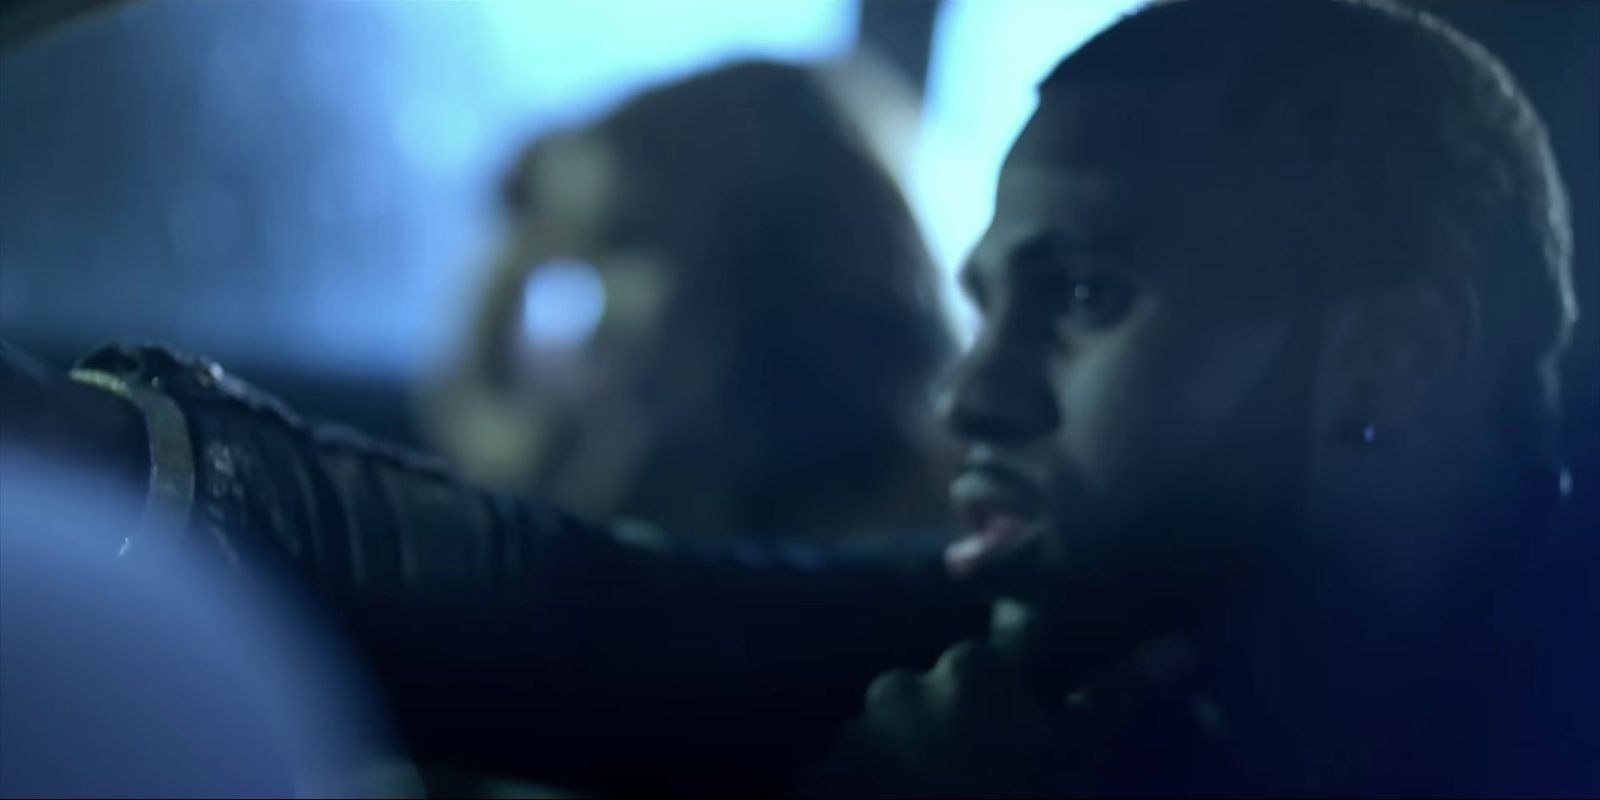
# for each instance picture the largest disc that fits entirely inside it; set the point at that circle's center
(1115, 428)
(1228, 369)
(1157, 398)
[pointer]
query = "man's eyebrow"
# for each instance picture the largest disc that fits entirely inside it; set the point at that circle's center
(1046, 245)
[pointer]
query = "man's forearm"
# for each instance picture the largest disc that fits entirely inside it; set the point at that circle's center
(512, 637)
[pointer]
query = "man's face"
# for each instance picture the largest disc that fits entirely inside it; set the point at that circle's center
(1132, 401)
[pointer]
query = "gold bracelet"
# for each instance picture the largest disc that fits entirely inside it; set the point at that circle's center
(170, 497)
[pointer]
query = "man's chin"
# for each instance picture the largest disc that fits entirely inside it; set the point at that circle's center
(1062, 612)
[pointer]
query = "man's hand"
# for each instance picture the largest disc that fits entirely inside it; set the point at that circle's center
(970, 727)
(975, 727)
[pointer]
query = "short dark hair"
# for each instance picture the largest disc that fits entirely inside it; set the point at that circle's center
(1424, 154)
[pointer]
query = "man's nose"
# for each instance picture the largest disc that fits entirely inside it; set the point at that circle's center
(998, 396)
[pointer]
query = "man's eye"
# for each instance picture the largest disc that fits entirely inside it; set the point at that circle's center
(1097, 303)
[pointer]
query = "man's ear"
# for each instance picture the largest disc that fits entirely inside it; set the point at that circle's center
(1391, 351)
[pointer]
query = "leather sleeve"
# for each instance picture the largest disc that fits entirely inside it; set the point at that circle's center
(508, 636)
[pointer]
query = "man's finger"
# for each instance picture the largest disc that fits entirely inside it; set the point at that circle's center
(1108, 708)
(973, 674)
(972, 662)
(893, 692)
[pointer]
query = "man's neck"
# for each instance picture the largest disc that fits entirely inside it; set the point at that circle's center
(1350, 658)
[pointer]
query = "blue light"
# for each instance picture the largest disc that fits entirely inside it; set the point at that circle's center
(343, 158)
(988, 58)
(575, 58)
(563, 304)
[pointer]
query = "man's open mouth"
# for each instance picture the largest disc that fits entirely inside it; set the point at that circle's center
(1003, 515)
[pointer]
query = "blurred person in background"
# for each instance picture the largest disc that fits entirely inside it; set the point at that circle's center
(714, 308)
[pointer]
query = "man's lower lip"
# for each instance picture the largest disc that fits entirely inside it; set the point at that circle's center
(985, 550)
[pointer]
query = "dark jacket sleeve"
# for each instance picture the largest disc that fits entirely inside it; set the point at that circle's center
(510, 637)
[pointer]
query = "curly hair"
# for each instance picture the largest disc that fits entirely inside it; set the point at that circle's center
(804, 260)
(802, 335)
